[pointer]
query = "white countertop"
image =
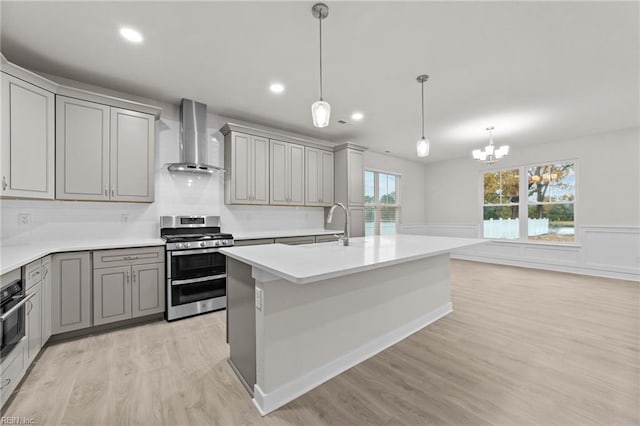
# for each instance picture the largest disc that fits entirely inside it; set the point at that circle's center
(256, 235)
(15, 256)
(314, 262)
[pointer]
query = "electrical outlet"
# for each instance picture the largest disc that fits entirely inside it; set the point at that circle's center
(24, 219)
(259, 299)
(124, 218)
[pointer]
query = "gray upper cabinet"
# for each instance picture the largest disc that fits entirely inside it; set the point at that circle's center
(319, 177)
(82, 150)
(247, 163)
(132, 155)
(70, 291)
(27, 146)
(287, 177)
(103, 153)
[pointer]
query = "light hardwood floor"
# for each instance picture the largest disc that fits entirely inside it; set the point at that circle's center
(521, 347)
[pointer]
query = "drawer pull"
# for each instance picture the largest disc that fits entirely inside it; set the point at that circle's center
(34, 273)
(5, 383)
(130, 257)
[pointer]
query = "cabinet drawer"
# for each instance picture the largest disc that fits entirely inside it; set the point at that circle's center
(33, 273)
(253, 242)
(124, 257)
(327, 238)
(297, 240)
(12, 371)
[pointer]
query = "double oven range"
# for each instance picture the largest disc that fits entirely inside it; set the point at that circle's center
(196, 270)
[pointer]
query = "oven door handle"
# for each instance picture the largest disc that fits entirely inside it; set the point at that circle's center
(198, 280)
(15, 308)
(200, 251)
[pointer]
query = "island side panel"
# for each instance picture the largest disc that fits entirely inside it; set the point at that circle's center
(309, 333)
(241, 321)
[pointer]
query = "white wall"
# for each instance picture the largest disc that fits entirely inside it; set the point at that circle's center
(175, 194)
(607, 212)
(412, 205)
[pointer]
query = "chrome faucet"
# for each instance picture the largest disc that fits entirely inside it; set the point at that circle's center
(347, 221)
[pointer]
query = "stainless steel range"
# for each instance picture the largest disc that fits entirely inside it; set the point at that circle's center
(196, 270)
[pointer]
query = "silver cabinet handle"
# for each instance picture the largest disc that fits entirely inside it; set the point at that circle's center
(5, 383)
(34, 273)
(106, 190)
(16, 307)
(134, 277)
(113, 191)
(4, 183)
(130, 257)
(45, 272)
(128, 277)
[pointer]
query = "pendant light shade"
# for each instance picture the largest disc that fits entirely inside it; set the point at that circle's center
(320, 110)
(423, 144)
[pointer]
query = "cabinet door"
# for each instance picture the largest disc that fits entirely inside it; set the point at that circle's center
(356, 177)
(27, 140)
(82, 150)
(326, 197)
(70, 292)
(296, 174)
(34, 323)
(279, 172)
(46, 299)
(148, 289)
(240, 186)
(111, 294)
(260, 170)
(313, 171)
(132, 156)
(357, 221)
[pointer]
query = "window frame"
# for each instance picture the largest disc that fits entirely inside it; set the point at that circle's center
(523, 204)
(376, 205)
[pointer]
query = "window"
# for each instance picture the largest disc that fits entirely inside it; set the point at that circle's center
(381, 210)
(540, 207)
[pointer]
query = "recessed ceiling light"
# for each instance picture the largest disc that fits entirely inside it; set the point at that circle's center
(357, 116)
(276, 87)
(131, 35)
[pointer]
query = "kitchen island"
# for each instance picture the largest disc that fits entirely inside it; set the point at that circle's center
(300, 315)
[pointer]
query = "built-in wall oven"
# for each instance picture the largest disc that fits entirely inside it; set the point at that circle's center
(12, 315)
(196, 270)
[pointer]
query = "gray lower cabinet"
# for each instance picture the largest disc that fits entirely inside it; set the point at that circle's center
(111, 294)
(125, 292)
(148, 289)
(46, 299)
(70, 291)
(294, 241)
(33, 323)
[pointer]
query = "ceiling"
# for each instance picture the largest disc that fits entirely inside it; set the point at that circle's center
(537, 71)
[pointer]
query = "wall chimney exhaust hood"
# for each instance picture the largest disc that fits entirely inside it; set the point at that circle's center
(194, 149)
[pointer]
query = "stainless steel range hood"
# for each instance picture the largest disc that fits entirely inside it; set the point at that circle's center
(194, 150)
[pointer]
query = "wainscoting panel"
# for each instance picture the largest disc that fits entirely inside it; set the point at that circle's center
(605, 251)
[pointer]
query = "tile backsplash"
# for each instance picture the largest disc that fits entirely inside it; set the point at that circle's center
(30, 221)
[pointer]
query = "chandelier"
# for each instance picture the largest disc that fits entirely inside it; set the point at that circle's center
(490, 154)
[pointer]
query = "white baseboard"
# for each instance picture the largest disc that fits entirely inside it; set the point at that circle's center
(267, 402)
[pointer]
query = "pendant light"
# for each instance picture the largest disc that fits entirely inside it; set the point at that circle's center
(422, 146)
(320, 110)
(489, 154)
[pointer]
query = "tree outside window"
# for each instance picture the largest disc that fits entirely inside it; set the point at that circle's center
(381, 203)
(541, 208)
